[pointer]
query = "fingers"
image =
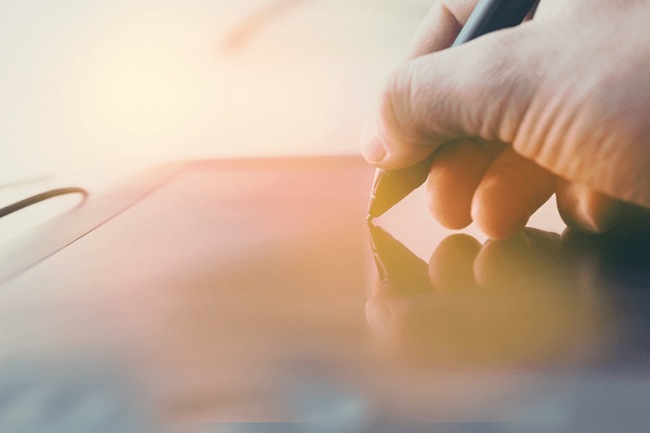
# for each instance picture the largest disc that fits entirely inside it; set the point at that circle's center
(437, 32)
(511, 190)
(489, 184)
(441, 26)
(584, 209)
(480, 89)
(455, 174)
(587, 210)
(374, 135)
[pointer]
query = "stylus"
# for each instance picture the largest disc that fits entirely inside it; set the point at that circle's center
(391, 186)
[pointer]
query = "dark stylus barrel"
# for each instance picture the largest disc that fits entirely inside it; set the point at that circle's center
(492, 15)
(391, 186)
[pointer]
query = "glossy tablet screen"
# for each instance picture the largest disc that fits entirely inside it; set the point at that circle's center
(239, 294)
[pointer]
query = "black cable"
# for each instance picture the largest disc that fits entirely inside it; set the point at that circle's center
(41, 197)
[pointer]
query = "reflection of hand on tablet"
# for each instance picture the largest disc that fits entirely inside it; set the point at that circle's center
(510, 302)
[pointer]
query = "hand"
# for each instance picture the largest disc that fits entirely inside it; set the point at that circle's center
(558, 104)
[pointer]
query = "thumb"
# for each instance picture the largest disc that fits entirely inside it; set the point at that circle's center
(479, 89)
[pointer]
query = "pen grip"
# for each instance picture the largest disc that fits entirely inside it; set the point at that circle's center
(492, 15)
(391, 186)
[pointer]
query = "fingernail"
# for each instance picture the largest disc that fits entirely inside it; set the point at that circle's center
(374, 151)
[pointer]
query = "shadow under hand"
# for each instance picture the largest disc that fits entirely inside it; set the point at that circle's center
(513, 302)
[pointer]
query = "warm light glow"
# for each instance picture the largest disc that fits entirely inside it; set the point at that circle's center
(139, 96)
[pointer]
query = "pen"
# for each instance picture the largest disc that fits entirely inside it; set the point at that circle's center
(391, 186)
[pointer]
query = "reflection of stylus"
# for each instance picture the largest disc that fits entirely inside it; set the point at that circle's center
(391, 186)
(399, 269)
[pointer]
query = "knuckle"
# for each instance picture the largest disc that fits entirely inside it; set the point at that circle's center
(397, 108)
(503, 78)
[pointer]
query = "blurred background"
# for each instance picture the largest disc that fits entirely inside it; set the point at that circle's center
(98, 87)
(93, 91)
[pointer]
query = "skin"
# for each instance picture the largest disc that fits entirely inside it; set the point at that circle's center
(559, 104)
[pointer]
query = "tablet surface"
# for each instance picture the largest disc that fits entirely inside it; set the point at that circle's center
(239, 294)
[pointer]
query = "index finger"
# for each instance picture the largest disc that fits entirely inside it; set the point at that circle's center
(438, 31)
(441, 26)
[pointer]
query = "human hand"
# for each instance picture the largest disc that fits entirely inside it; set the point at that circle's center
(558, 104)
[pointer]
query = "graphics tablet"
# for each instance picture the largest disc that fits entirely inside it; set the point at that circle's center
(252, 295)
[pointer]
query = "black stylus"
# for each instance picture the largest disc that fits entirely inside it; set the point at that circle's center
(391, 186)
